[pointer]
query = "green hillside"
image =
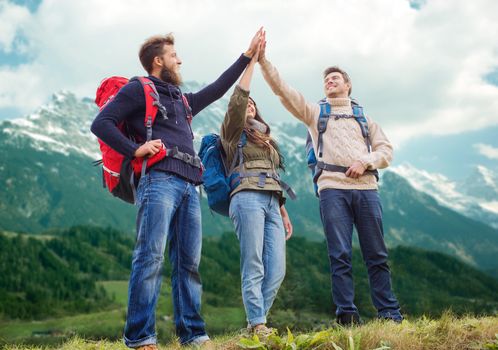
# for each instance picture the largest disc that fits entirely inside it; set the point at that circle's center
(61, 273)
(415, 219)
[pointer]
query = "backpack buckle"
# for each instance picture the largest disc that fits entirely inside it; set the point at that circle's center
(262, 179)
(322, 124)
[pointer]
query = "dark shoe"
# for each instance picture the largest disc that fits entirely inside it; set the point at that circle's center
(391, 316)
(349, 319)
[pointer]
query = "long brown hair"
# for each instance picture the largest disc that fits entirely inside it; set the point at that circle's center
(263, 140)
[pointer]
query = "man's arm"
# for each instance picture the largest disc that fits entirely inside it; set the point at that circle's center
(380, 157)
(291, 99)
(382, 150)
(214, 91)
(123, 106)
(105, 126)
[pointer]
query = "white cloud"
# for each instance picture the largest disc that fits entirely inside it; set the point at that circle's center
(416, 72)
(12, 19)
(487, 150)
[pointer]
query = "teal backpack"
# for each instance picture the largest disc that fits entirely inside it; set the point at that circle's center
(220, 179)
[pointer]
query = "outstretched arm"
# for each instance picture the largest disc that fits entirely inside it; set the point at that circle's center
(201, 99)
(292, 100)
(236, 115)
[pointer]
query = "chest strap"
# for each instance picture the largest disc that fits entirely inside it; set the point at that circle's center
(195, 161)
(342, 169)
(262, 176)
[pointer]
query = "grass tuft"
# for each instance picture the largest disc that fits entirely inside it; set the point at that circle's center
(447, 333)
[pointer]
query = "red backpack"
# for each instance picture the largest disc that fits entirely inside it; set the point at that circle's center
(120, 175)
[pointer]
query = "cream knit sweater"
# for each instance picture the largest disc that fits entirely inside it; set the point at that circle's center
(343, 142)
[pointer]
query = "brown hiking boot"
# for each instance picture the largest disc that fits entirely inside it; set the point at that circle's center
(262, 331)
(147, 347)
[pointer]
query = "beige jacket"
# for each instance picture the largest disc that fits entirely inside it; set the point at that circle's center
(343, 142)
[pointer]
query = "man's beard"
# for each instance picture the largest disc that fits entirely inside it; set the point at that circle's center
(171, 77)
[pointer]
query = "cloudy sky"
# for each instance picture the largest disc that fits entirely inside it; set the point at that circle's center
(424, 69)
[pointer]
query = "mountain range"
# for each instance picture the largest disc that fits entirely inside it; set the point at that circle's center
(49, 182)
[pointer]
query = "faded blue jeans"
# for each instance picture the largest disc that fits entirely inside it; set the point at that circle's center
(168, 212)
(340, 209)
(260, 230)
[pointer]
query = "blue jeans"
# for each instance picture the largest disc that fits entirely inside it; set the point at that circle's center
(339, 210)
(260, 230)
(168, 211)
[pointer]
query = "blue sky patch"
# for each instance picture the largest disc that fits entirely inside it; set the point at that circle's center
(31, 5)
(492, 77)
(17, 54)
(7, 113)
(417, 4)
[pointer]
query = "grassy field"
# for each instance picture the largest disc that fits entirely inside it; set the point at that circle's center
(109, 324)
(80, 332)
(446, 333)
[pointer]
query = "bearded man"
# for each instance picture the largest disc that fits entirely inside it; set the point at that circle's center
(168, 204)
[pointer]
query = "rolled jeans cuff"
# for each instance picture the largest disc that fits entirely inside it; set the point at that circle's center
(197, 340)
(256, 321)
(150, 340)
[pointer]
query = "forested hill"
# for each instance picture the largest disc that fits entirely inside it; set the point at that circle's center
(55, 274)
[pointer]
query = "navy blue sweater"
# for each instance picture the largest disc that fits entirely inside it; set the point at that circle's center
(129, 106)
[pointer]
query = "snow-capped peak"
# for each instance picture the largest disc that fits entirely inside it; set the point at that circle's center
(460, 197)
(62, 126)
(488, 177)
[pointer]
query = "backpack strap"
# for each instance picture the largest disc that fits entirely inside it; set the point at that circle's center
(152, 105)
(323, 120)
(188, 112)
(359, 116)
(188, 109)
(239, 156)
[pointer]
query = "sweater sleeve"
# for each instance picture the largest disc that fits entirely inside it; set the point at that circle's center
(382, 150)
(235, 117)
(292, 100)
(124, 106)
(214, 91)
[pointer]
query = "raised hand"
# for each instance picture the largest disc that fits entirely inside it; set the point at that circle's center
(253, 46)
(262, 48)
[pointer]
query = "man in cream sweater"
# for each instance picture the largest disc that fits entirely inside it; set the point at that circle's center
(346, 197)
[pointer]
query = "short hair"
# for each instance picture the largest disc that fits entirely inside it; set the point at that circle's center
(345, 76)
(153, 47)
